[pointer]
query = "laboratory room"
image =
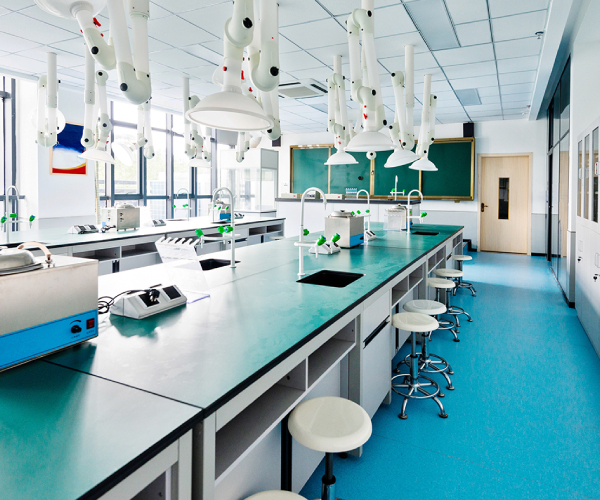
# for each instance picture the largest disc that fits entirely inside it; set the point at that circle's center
(299, 249)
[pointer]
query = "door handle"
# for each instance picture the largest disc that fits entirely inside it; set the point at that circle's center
(483, 207)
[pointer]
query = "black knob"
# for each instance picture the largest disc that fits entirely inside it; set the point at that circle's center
(75, 329)
(274, 71)
(247, 23)
(124, 87)
(95, 50)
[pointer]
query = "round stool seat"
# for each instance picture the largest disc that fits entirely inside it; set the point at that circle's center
(414, 322)
(462, 257)
(448, 273)
(330, 424)
(429, 307)
(439, 283)
(275, 495)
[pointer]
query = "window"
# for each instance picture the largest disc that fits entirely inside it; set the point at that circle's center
(586, 179)
(579, 176)
(503, 198)
(594, 172)
(126, 176)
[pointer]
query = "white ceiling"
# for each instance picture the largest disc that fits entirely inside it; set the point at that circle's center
(498, 54)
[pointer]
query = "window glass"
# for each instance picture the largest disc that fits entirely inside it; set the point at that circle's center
(178, 124)
(268, 189)
(586, 179)
(550, 125)
(181, 171)
(503, 191)
(556, 116)
(595, 175)
(101, 176)
(159, 119)
(203, 181)
(126, 176)
(124, 112)
(579, 176)
(565, 98)
(157, 166)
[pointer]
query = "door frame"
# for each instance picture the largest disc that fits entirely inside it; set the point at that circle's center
(479, 176)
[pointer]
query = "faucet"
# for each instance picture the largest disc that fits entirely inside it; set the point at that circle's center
(8, 218)
(420, 217)
(370, 234)
(214, 198)
(303, 232)
(187, 207)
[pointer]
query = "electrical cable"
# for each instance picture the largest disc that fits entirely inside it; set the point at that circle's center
(106, 302)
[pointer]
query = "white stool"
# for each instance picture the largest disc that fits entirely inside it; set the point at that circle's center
(441, 287)
(453, 310)
(463, 284)
(415, 323)
(330, 425)
(429, 362)
(276, 495)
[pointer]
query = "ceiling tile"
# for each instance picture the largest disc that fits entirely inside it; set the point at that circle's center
(519, 88)
(315, 34)
(212, 18)
(325, 54)
(492, 99)
(465, 55)
(320, 74)
(515, 105)
(488, 91)
(63, 59)
(286, 46)
(448, 103)
(171, 77)
(471, 83)
(16, 4)
(483, 108)
(487, 118)
(521, 77)
(155, 45)
(463, 11)
(518, 64)
(185, 5)
(392, 20)
(155, 69)
(393, 46)
(204, 53)
(17, 24)
(22, 64)
(339, 7)
(500, 8)
(203, 72)
(177, 59)
(10, 43)
(3, 11)
(437, 86)
(293, 12)
(522, 116)
(423, 61)
(299, 60)
(516, 97)
(449, 109)
(35, 12)
(519, 26)
(521, 48)
(471, 70)
(177, 32)
(474, 33)
(73, 46)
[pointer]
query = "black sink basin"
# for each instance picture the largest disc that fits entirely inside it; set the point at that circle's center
(425, 233)
(335, 279)
(208, 264)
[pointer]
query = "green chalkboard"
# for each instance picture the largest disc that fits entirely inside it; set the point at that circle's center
(349, 176)
(309, 169)
(385, 178)
(454, 179)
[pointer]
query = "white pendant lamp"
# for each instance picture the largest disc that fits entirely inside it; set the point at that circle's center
(370, 98)
(424, 164)
(400, 157)
(229, 109)
(427, 132)
(124, 152)
(198, 163)
(341, 158)
(99, 154)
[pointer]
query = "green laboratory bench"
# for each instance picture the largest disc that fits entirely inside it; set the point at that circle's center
(131, 249)
(248, 354)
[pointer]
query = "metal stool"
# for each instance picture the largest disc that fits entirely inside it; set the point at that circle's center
(275, 495)
(428, 362)
(330, 425)
(441, 286)
(453, 310)
(460, 283)
(411, 382)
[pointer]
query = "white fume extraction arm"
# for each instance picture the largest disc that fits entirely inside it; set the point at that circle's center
(190, 147)
(102, 127)
(197, 145)
(338, 115)
(133, 70)
(49, 121)
(369, 97)
(427, 131)
(242, 146)
(402, 131)
(230, 109)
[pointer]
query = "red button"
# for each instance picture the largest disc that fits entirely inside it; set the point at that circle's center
(91, 323)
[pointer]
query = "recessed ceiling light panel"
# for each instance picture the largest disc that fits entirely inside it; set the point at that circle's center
(468, 97)
(432, 20)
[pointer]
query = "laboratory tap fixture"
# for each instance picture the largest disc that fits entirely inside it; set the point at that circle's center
(185, 207)
(49, 121)
(369, 235)
(230, 109)
(338, 115)
(427, 132)
(367, 94)
(11, 217)
(304, 232)
(409, 216)
(133, 69)
(233, 235)
(402, 130)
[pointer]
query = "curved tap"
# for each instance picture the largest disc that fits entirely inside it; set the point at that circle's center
(408, 217)
(231, 197)
(302, 208)
(368, 207)
(188, 200)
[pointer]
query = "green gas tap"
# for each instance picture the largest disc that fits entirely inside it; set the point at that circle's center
(423, 214)
(199, 233)
(306, 232)
(321, 240)
(336, 237)
(225, 229)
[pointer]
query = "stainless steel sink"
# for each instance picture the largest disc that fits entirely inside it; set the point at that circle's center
(334, 279)
(425, 233)
(208, 264)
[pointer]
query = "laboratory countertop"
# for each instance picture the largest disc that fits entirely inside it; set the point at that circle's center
(65, 435)
(362, 199)
(59, 237)
(257, 314)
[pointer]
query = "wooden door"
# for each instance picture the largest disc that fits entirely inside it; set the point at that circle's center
(504, 203)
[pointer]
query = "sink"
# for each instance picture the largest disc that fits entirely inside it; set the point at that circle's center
(334, 279)
(176, 220)
(425, 233)
(208, 264)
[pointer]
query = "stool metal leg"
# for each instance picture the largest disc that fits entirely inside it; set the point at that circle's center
(446, 324)
(328, 481)
(455, 310)
(412, 385)
(463, 284)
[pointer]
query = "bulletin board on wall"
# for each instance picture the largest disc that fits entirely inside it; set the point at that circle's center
(454, 180)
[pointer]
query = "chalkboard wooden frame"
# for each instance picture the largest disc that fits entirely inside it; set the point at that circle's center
(329, 147)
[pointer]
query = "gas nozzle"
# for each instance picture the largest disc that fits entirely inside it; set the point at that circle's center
(336, 237)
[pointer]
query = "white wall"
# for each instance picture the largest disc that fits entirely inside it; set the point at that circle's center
(513, 136)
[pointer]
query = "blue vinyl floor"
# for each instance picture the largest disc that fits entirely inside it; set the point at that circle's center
(524, 420)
